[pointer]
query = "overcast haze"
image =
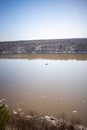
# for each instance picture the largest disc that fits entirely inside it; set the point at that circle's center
(42, 19)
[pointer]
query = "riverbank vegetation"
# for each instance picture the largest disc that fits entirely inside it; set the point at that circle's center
(55, 46)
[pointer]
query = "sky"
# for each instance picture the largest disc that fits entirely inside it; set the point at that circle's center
(42, 19)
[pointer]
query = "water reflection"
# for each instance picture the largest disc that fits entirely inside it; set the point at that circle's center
(46, 56)
(58, 87)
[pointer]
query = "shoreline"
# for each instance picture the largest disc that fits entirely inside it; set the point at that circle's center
(51, 56)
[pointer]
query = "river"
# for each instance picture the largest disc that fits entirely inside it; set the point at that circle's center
(49, 84)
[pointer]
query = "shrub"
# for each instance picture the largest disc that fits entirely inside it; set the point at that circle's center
(4, 116)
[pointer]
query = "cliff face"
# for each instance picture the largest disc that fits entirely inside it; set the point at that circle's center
(44, 46)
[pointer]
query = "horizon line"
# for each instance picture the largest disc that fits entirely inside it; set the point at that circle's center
(42, 39)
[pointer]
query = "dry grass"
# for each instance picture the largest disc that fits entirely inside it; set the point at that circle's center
(37, 122)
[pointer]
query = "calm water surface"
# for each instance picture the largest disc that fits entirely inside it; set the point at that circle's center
(50, 86)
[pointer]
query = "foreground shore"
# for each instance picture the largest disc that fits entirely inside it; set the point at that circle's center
(33, 121)
(40, 122)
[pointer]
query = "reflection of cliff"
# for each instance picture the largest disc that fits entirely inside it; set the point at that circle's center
(46, 56)
(45, 46)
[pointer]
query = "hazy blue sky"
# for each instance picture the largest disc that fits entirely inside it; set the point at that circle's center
(39, 19)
